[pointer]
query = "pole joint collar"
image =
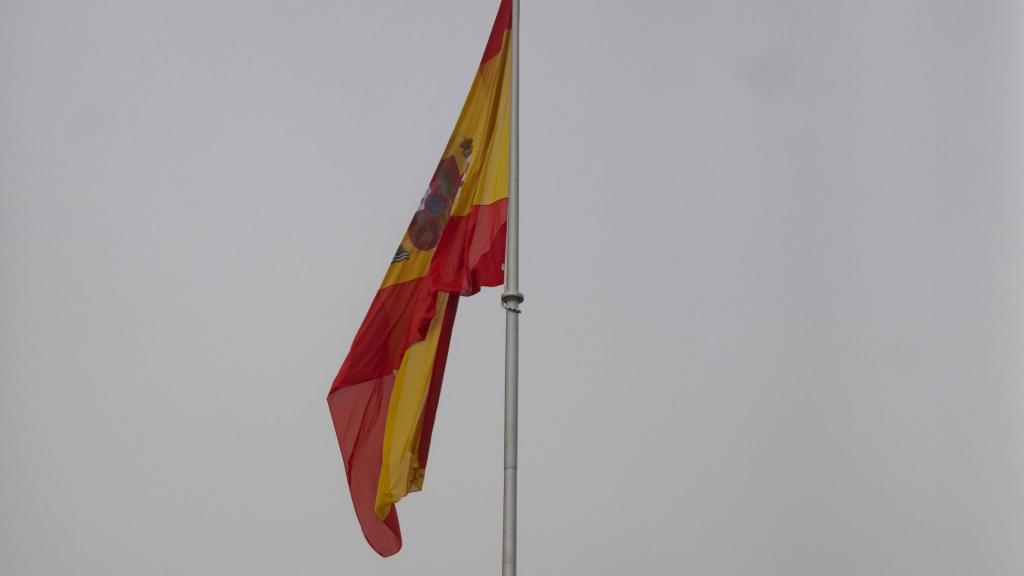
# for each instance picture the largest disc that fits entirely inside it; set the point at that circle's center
(511, 301)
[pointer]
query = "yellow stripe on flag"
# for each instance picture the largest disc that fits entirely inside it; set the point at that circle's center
(400, 472)
(484, 120)
(487, 179)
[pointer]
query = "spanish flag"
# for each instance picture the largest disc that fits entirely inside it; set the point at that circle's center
(385, 396)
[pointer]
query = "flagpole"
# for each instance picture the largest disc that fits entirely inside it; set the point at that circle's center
(510, 300)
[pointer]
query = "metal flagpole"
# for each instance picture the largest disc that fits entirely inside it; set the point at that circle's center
(511, 298)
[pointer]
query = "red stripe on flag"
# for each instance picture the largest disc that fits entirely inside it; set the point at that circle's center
(398, 317)
(471, 252)
(502, 22)
(469, 256)
(359, 413)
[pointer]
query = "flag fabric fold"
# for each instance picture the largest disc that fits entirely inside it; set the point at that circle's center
(385, 396)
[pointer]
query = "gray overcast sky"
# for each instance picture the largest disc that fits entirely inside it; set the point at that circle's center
(772, 255)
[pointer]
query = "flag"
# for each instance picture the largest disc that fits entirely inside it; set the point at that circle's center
(385, 396)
